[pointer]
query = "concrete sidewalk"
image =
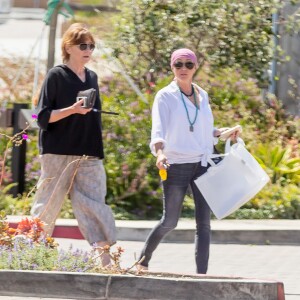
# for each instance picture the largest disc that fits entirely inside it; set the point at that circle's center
(264, 262)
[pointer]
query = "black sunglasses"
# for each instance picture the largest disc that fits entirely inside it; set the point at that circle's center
(85, 46)
(189, 65)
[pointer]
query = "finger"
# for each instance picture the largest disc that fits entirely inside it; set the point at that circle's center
(160, 163)
(233, 136)
(224, 129)
(78, 103)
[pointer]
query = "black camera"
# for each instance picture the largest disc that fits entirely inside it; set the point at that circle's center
(88, 96)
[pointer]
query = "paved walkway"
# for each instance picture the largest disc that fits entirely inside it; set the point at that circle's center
(223, 231)
(279, 262)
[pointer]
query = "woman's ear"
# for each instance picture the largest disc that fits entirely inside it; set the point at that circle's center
(67, 48)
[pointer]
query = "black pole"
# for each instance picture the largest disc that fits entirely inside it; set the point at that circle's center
(18, 154)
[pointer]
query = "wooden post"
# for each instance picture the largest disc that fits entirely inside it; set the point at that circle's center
(52, 37)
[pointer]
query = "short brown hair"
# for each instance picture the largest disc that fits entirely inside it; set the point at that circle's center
(76, 34)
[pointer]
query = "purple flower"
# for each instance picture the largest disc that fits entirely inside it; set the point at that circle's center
(24, 136)
(34, 116)
(134, 104)
(104, 89)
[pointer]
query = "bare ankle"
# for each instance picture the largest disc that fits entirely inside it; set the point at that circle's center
(141, 268)
(104, 253)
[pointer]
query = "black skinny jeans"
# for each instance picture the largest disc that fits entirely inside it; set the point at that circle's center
(180, 176)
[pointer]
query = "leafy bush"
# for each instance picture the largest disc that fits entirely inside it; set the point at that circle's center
(273, 202)
(236, 99)
(223, 33)
(132, 178)
(280, 163)
(134, 190)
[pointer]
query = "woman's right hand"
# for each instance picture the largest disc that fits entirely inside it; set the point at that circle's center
(160, 161)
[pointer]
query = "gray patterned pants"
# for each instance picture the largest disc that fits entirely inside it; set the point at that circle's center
(85, 181)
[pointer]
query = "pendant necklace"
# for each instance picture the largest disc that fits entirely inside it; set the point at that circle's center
(187, 113)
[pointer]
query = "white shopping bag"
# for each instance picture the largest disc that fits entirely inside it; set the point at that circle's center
(228, 185)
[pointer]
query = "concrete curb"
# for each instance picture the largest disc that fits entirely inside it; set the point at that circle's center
(224, 231)
(162, 286)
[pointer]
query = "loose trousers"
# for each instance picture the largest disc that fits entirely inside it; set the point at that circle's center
(85, 180)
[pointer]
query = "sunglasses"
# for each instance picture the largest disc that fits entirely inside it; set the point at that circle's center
(84, 46)
(189, 65)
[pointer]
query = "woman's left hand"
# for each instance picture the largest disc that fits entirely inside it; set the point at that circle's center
(79, 109)
(217, 132)
(235, 135)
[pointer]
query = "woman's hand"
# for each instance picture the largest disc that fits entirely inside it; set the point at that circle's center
(161, 158)
(161, 161)
(79, 109)
(217, 132)
(76, 108)
(233, 136)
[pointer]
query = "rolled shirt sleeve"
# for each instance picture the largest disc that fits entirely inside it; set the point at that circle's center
(160, 119)
(43, 118)
(46, 101)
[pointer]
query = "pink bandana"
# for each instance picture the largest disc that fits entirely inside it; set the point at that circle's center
(183, 53)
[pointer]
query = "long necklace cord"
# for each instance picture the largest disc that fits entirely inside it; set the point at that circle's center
(187, 112)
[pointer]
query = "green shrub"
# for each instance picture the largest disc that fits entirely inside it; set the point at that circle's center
(279, 163)
(273, 202)
(133, 184)
(132, 178)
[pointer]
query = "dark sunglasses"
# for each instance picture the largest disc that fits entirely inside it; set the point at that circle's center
(84, 46)
(189, 65)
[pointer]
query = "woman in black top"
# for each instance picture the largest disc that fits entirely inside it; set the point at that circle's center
(71, 146)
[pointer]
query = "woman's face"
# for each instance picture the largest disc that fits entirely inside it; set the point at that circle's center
(81, 53)
(184, 69)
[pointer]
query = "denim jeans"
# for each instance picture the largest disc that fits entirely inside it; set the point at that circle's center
(180, 176)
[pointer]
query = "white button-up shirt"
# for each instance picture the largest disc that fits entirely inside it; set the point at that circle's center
(171, 127)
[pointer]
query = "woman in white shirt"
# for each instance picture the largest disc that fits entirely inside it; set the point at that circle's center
(182, 137)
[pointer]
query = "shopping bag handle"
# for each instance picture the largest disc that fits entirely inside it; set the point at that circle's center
(227, 150)
(228, 144)
(211, 162)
